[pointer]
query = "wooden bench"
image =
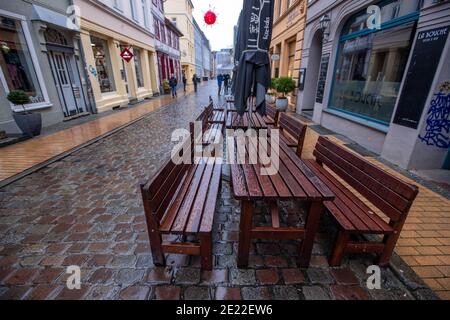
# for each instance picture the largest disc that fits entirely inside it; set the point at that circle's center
(292, 132)
(212, 132)
(180, 201)
(392, 196)
(272, 115)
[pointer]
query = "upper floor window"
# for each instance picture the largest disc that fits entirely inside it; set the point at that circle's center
(134, 14)
(145, 11)
(118, 5)
(156, 23)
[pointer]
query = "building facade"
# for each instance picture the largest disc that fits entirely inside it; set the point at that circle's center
(198, 46)
(167, 44)
(40, 54)
(206, 57)
(107, 28)
(380, 76)
(224, 62)
(179, 12)
(287, 41)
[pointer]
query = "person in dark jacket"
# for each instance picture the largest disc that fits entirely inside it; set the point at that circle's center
(219, 82)
(226, 82)
(195, 82)
(184, 82)
(173, 82)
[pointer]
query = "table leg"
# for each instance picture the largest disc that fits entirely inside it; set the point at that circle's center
(244, 233)
(312, 224)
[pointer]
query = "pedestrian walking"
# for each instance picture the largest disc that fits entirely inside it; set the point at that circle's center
(219, 82)
(226, 82)
(184, 82)
(173, 82)
(195, 81)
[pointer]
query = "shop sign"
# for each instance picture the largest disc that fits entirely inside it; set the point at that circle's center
(422, 69)
(323, 72)
(126, 55)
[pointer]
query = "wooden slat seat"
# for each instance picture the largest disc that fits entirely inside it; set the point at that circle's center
(390, 195)
(292, 132)
(181, 200)
(272, 115)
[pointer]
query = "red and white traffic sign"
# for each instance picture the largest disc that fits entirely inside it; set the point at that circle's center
(127, 55)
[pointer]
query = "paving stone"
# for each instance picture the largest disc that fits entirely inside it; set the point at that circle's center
(129, 276)
(349, 293)
(15, 293)
(48, 275)
(256, 293)
(159, 275)
(242, 277)
(187, 276)
(102, 276)
(42, 292)
(214, 276)
(225, 293)
(267, 276)
(22, 276)
(197, 293)
(75, 294)
(293, 276)
(124, 261)
(315, 293)
(285, 293)
(102, 292)
(344, 276)
(320, 276)
(135, 293)
(167, 293)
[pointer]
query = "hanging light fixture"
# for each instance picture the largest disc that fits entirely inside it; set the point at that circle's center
(210, 17)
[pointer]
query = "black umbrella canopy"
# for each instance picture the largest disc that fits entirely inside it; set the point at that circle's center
(254, 37)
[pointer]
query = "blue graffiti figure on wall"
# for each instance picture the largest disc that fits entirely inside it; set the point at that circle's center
(437, 131)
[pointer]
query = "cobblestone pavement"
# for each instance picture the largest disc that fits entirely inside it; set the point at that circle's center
(86, 210)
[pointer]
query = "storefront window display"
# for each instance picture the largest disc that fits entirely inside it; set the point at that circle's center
(103, 65)
(371, 62)
(17, 69)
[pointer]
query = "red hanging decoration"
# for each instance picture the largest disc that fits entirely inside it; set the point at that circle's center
(210, 18)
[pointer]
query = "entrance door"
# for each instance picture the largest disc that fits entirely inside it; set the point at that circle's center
(67, 84)
(125, 78)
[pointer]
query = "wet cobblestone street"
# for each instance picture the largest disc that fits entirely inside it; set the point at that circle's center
(86, 210)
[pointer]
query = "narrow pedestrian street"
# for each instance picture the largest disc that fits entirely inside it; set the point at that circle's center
(86, 210)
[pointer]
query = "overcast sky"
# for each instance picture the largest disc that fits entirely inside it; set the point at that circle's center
(221, 34)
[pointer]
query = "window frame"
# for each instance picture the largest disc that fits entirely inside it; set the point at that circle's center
(352, 116)
(36, 66)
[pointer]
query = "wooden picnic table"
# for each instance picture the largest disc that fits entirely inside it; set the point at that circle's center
(235, 121)
(293, 181)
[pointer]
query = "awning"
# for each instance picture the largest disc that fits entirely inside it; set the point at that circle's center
(54, 18)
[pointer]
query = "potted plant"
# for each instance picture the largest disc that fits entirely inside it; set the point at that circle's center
(166, 86)
(270, 96)
(30, 123)
(284, 85)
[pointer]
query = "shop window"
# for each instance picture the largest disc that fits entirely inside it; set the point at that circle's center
(17, 68)
(103, 65)
(371, 64)
(291, 58)
(138, 67)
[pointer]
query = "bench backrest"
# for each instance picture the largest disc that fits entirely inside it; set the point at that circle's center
(157, 194)
(388, 193)
(273, 113)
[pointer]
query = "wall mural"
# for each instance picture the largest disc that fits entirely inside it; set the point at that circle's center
(437, 131)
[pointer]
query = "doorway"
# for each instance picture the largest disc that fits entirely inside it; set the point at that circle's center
(312, 75)
(67, 82)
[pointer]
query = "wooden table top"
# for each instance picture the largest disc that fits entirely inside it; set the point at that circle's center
(235, 121)
(294, 180)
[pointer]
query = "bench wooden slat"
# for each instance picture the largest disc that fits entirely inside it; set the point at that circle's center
(380, 189)
(196, 212)
(169, 218)
(239, 189)
(264, 180)
(390, 181)
(314, 184)
(211, 200)
(186, 208)
(356, 212)
(357, 183)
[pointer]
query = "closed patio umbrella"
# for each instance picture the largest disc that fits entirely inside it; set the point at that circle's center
(254, 37)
